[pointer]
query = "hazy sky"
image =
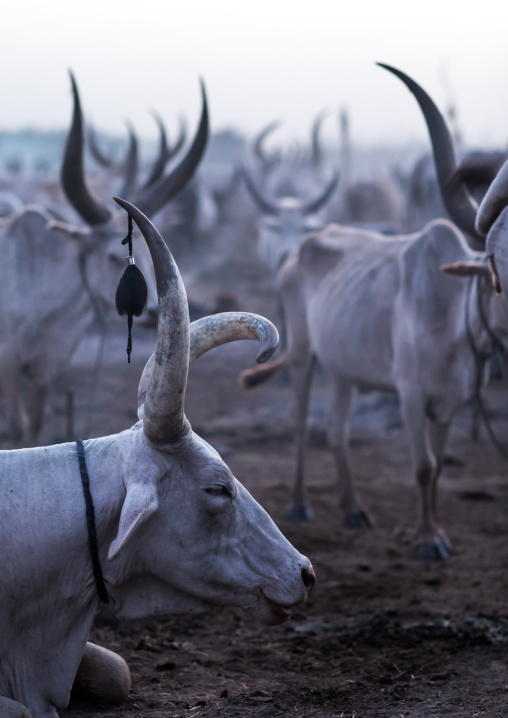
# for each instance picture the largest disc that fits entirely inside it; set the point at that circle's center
(261, 60)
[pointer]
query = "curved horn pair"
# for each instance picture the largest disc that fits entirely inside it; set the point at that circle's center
(460, 204)
(152, 199)
(165, 376)
(269, 207)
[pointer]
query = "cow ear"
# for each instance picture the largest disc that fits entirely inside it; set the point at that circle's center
(69, 230)
(466, 269)
(140, 503)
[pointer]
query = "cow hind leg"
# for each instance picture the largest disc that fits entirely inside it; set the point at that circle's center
(356, 515)
(301, 380)
(13, 709)
(427, 443)
(103, 675)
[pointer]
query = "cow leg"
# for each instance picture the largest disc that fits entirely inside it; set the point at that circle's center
(438, 435)
(35, 405)
(103, 675)
(11, 392)
(13, 709)
(356, 515)
(429, 544)
(301, 381)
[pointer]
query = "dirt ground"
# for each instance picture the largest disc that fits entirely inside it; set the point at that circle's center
(385, 635)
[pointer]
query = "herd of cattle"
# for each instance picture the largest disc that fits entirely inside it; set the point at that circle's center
(416, 313)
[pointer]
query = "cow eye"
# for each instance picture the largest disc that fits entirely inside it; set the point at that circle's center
(221, 491)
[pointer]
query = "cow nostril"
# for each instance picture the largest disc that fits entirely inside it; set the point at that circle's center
(309, 579)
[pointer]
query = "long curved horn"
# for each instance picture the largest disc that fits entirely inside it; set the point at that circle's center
(264, 204)
(158, 166)
(460, 204)
(130, 164)
(210, 332)
(315, 204)
(152, 199)
(96, 151)
(72, 175)
(257, 145)
(494, 202)
(317, 152)
(182, 136)
(164, 418)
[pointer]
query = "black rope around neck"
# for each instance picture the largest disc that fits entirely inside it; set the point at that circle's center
(90, 524)
(480, 360)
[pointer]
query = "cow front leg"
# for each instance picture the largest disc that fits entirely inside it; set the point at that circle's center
(430, 544)
(438, 435)
(301, 380)
(35, 405)
(356, 515)
(13, 709)
(103, 675)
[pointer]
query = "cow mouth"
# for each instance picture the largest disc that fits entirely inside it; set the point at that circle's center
(269, 612)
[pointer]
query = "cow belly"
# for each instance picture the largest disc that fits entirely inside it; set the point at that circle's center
(353, 340)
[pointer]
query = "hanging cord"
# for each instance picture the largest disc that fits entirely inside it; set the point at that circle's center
(481, 359)
(132, 292)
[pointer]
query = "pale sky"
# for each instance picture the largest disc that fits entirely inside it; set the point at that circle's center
(262, 60)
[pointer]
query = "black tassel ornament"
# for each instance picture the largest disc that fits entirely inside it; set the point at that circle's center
(132, 292)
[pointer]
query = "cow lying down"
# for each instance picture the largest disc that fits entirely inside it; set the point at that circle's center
(176, 532)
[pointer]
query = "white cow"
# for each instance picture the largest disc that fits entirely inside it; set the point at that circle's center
(285, 221)
(380, 313)
(55, 278)
(176, 531)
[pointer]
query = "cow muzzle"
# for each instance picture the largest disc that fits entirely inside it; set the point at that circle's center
(272, 612)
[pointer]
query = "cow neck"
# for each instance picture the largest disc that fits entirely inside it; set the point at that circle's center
(94, 301)
(90, 524)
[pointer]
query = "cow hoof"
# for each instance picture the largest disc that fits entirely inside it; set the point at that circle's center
(300, 513)
(103, 675)
(444, 541)
(359, 520)
(431, 551)
(13, 709)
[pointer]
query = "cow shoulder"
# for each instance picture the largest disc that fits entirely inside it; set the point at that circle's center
(321, 251)
(425, 288)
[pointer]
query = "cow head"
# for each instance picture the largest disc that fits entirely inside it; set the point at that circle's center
(103, 255)
(189, 532)
(285, 221)
(487, 225)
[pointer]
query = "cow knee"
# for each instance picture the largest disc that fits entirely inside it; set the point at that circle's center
(13, 709)
(424, 473)
(103, 674)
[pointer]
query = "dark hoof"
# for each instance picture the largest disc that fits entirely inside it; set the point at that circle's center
(359, 520)
(300, 513)
(431, 551)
